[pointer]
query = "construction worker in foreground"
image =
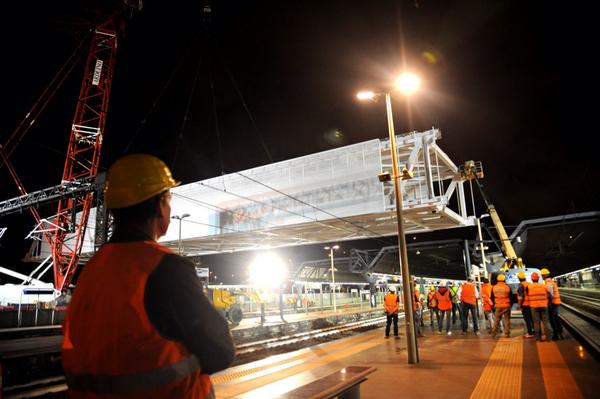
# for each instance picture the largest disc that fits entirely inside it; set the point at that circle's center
(468, 301)
(538, 301)
(523, 299)
(432, 305)
(391, 304)
(501, 299)
(139, 324)
(486, 296)
(553, 305)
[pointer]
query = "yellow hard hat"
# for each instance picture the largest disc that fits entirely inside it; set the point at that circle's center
(134, 179)
(501, 277)
(432, 288)
(521, 275)
(544, 272)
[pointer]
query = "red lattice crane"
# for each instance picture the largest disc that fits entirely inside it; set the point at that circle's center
(83, 152)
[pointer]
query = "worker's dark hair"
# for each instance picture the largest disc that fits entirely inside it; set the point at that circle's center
(138, 213)
(485, 280)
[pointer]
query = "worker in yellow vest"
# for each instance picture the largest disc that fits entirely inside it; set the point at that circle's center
(538, 301)
(501, 299)
(523, 299)
(468, 295)
(553, 305)
(391, 304)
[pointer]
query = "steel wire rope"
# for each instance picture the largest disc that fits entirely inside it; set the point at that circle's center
(187, 112)
(377, 235)
(157, 99)
(213, 207)
(33, 114)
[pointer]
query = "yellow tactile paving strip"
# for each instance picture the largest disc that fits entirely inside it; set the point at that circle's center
(558, 380)
(501, 377)
(235, 383)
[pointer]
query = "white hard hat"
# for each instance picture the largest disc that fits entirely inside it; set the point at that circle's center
(442, 284)
(392, 288)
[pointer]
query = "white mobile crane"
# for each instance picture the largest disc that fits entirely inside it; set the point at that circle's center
(513, 264)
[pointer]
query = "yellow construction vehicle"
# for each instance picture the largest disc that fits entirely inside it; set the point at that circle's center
(226, 300)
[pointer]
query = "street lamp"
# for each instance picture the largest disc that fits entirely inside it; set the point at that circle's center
(407, 84)
(330, 249)
(180, 218)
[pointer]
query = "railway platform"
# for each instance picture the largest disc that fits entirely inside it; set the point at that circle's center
(455, 366)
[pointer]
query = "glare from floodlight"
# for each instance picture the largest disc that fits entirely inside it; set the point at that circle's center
(267, 270)
(408, 83)
(366, 95)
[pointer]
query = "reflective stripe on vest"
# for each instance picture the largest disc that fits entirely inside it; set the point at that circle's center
(538, 296)
(391, 303)
(444, 301)
(127, 384)
(556, 294)
(486, 293)
(501, 295)
(525, 300)
(109, 340)
(468, 294)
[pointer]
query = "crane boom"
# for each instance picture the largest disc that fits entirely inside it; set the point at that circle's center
(472, 170)
(83, 152)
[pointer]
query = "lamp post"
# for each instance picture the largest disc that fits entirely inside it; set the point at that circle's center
(407, 84)
(330, 249)
(180, 218)
(485, 273)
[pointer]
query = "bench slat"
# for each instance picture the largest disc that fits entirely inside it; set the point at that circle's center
(331, 385)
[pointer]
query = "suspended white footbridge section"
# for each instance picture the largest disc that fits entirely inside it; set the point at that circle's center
(333, 195)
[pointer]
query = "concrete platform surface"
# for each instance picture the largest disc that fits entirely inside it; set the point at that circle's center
(456, 366)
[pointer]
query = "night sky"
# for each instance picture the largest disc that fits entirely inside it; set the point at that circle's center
(510, 83)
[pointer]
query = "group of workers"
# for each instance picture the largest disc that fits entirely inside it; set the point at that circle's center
(538, 300)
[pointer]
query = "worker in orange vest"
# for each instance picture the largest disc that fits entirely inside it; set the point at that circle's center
(553, 305)
(486, 297)
(442, 296)
(538, 302)
(391, 303)
(468, 295)
(139, 324)
(501, 299)
(432, 305)
(523, 299)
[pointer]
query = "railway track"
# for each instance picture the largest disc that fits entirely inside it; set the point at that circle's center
(54, 386)
(580, 314)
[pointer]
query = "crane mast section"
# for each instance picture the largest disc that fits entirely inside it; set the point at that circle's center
(83, 152)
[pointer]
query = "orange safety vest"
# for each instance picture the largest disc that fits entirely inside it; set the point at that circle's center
(390, 303)
(432, 301)
(501, 295)
(416, 300)
(486, 293)
(467, 294)
(110, 347)
(525, 300)
(556, 295)
(444, 301)
(538, 296)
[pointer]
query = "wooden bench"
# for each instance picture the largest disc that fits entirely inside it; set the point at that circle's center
(343, 384)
